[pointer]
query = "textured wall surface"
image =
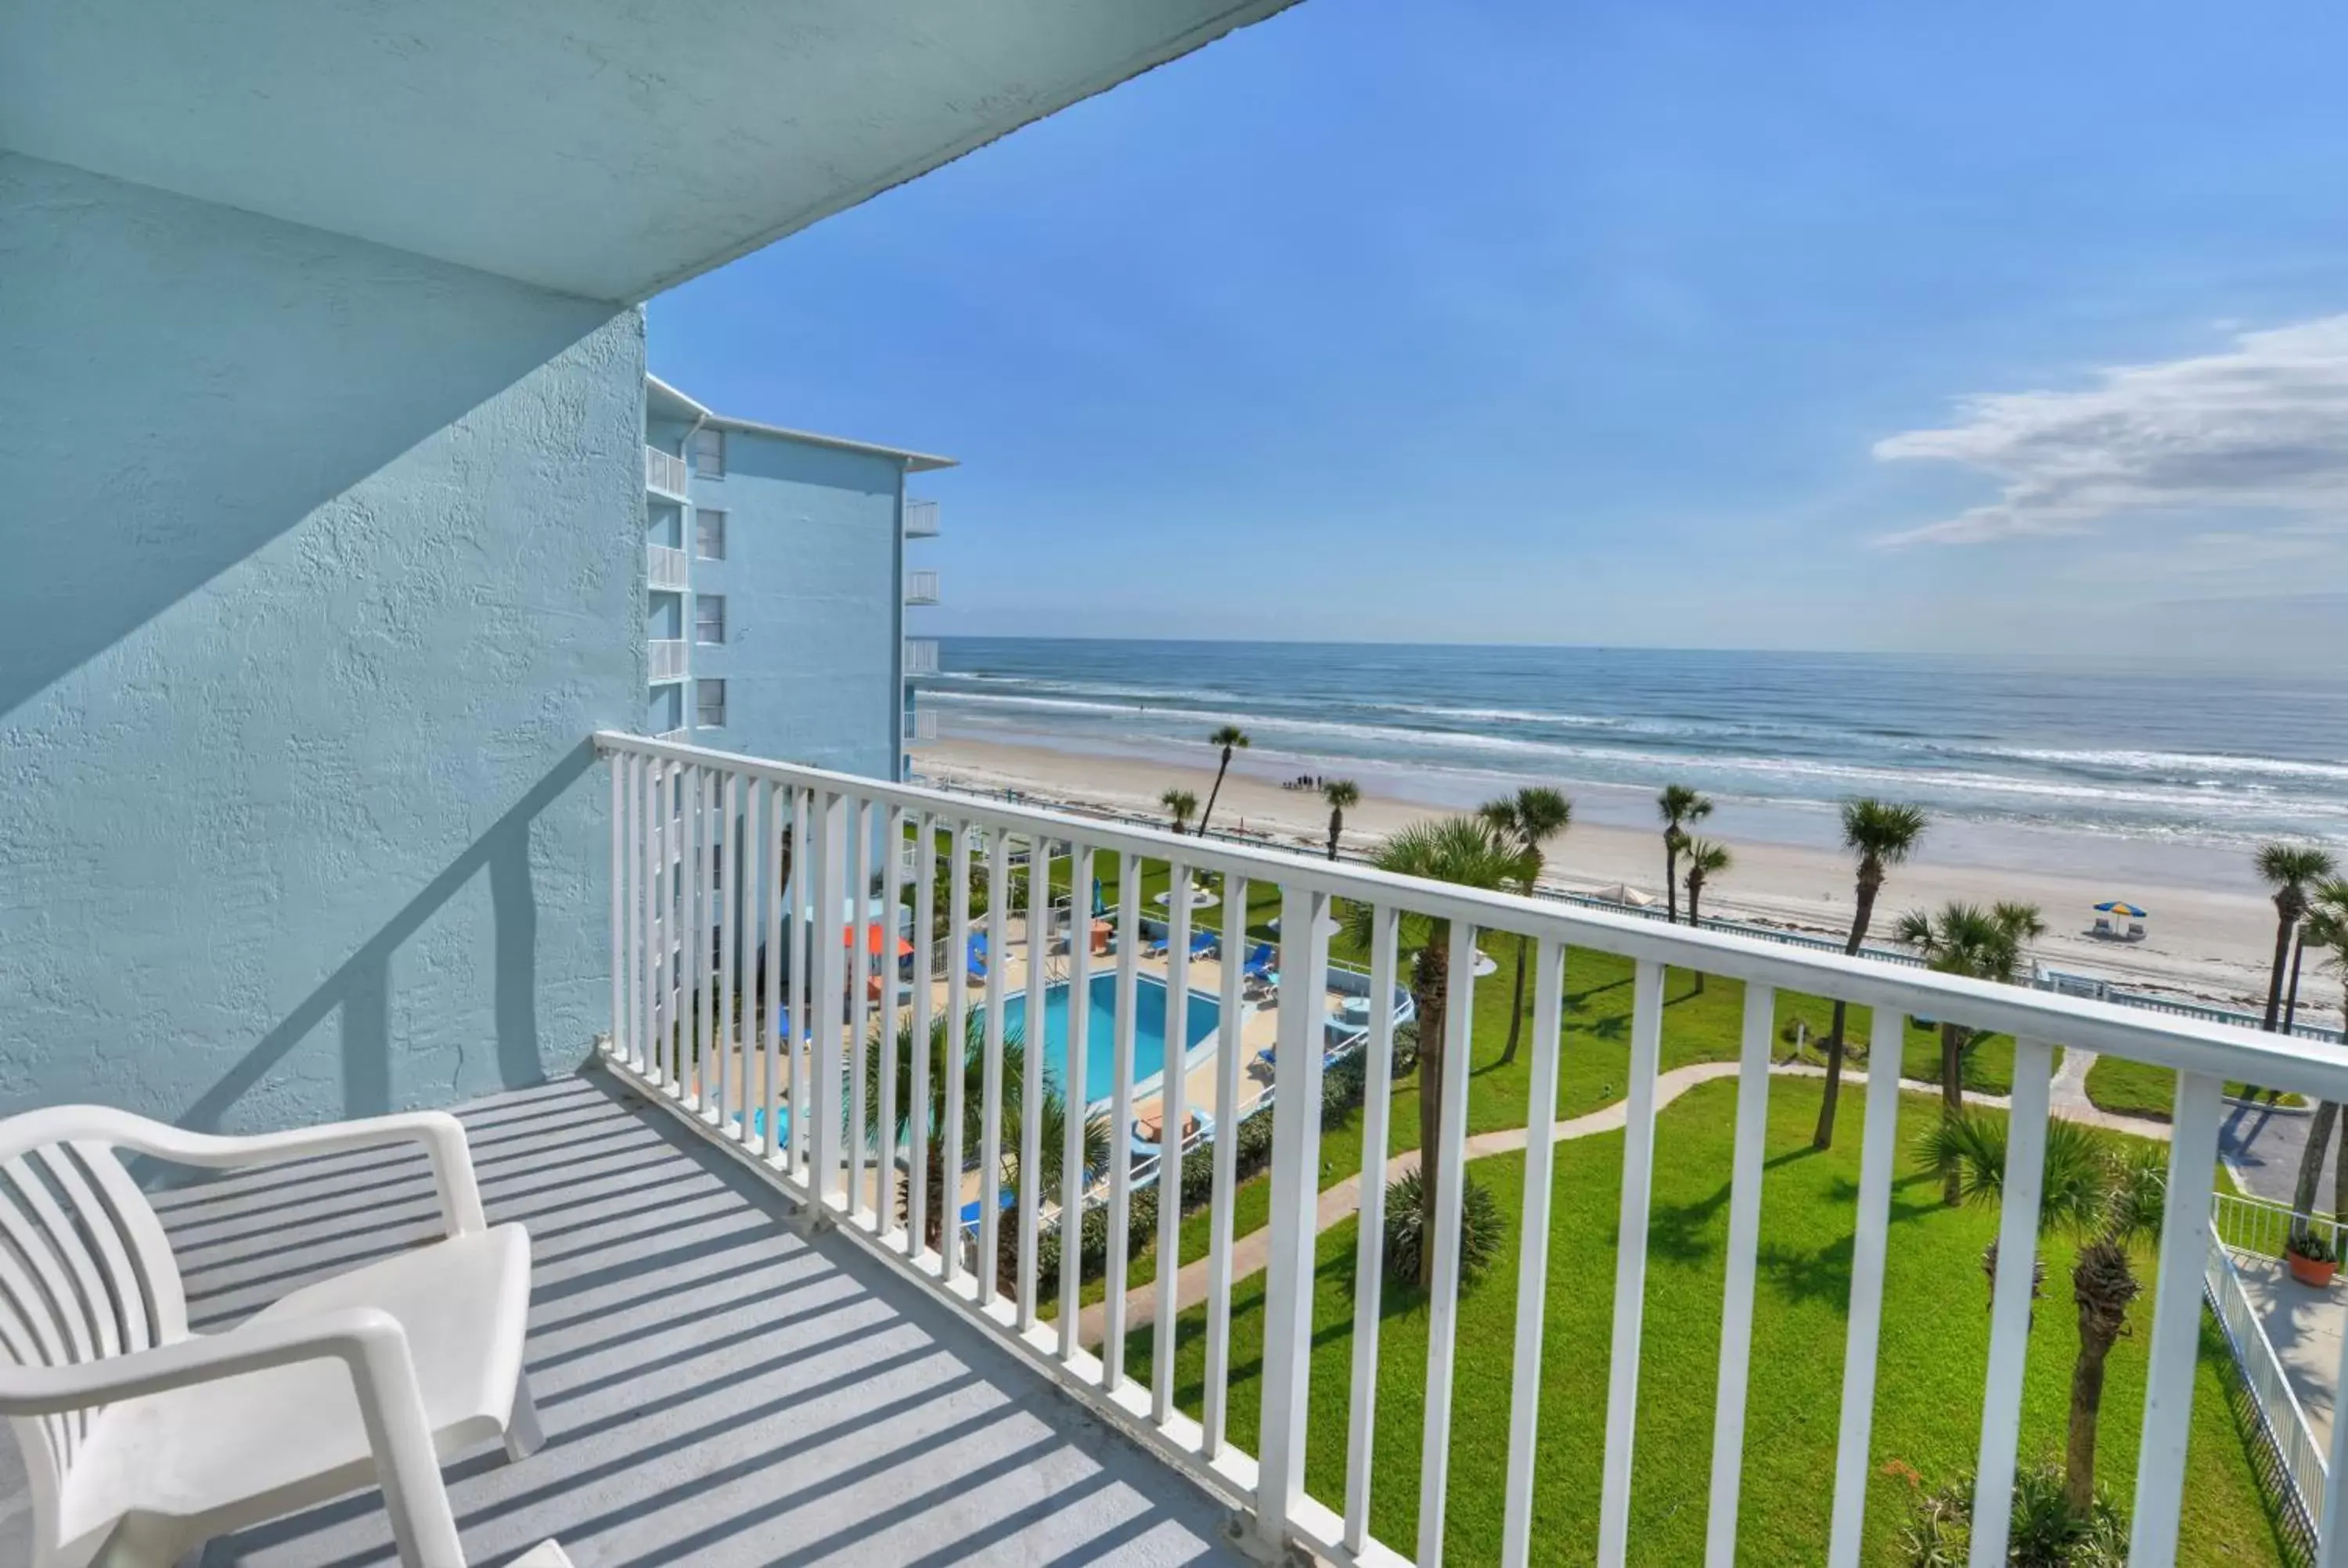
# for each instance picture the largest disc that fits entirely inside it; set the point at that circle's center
(323, 561)
(813, 621)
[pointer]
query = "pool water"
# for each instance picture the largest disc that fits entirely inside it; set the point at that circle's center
(1100, 1030)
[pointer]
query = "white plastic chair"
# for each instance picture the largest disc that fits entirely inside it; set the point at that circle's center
(142, 1440)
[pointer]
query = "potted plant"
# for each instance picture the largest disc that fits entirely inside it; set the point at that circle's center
(2313, 1261)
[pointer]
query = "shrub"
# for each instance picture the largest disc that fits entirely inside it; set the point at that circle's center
(1481, 1229)
(2313, 1248)
(2045, 1533)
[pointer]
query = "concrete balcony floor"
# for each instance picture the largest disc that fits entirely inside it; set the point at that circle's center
(715, 1388)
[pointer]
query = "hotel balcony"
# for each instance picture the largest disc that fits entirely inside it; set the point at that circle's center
(922, 724)
(667, 658)
(751, 1328)
(920, 520)
(666, 569)
(920, 588)
(920, 656)
(665, 474)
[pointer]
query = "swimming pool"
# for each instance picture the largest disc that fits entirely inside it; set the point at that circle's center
(1100, 1030)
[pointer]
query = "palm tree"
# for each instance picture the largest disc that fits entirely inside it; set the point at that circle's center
(1881, 834)
(1342, 795)
(1983, 945)
(1524, 823)
(1179, 803)
(1231, 737)
(2327, 928)
(2287, 868)
(1459, 850)
(1706, 860)
(1678, 805)
(1051, 1134)
(2109, 1193)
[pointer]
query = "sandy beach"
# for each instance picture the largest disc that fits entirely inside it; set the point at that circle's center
(2205, 944)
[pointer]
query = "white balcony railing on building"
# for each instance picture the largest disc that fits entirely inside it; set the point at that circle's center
(835, 832)
(666, 569)
(2302, 1460)
(664, 473)
(920, 520)
(667, 659)
(920, 587)
(922, 724)
(920, 656)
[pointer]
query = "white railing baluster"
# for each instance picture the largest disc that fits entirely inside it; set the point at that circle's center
(1030, 1075)
(1445, 1194)
(1073, 1174)
(692, 940)
(704, 965)
(620, 1030)
(1120, 1118)
(990, 1101)
(2333, 1545)
(2176, 1322)
(1295, 1201)
(1869, 1248)
(893, 892)
(1746, 1174)
(796, 944)
(649, 923)
(1532, 1255)
(956, 1048)
(1229, 1048)
(1369, 1247)
(770, 891)
(664, 924)
(2010, 1301)
(725, 875)
(1173, 1115)
(827, 826)
(859, 828)
(1630, 1260)
(917, 1115)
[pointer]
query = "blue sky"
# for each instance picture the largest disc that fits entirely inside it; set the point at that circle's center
(1856, 326)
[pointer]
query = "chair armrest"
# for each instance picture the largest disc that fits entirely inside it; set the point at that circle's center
(441, 1135)
(370, 1344)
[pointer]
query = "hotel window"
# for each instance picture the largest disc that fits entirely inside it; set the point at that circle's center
(709, 704)
(708, 618)
(709, 535)
(709, 453)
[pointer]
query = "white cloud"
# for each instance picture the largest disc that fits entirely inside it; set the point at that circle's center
(2260, 428)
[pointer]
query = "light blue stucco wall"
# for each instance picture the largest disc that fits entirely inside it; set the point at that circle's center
(324, 560)
(813, 615)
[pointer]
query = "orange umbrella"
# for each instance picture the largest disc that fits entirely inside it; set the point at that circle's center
(876, 939)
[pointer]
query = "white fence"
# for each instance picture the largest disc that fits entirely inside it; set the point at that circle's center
(921, 587)
(666, 656)
(664, 472)
(664, 568)
(2304, 1470)
(920, 520)
(673, 1039)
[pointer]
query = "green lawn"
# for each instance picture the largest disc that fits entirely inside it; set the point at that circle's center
(1930, 1369)
(2140, 1089)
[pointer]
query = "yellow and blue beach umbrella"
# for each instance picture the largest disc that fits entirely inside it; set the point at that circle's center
(2120, 906)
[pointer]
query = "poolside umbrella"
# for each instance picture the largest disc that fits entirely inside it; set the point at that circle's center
(876, 939)
(2121, 907)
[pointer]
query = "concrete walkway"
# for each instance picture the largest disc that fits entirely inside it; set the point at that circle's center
(2304, 1325)
(1250, 1253)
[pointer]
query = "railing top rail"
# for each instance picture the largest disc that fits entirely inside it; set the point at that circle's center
(2188, 1044)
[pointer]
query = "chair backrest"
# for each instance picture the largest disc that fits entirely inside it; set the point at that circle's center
(86, 1272)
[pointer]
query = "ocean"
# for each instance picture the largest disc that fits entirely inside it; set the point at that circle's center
(2002, 751)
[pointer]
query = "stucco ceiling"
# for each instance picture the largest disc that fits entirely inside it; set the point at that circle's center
(606, 147)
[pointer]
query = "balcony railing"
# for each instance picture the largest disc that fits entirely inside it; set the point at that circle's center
(922, 724)
(920, 656)
(667, 659)
(678, 1041)
(666, 569)
(921, 587)
(664, 473)
(920, 520)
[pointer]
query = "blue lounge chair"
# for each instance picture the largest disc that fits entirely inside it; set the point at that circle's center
(974, 955)
(1205, 944)
(1148, 1148)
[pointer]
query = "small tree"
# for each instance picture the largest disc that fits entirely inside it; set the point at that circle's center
(1706, 860)
(2287, 868)
(2109, 1193)
(1983, 945)
(1881, 834)
(1231, 738)
(1524, 823)
(1678, 805)
(1179, 803)
(2327, 928)
(1343, 795)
